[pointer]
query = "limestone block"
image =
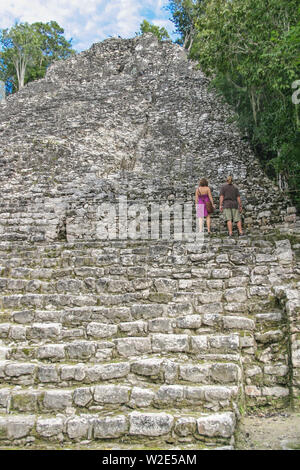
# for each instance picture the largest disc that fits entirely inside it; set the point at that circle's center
(170, 343)
(275, 391)
(23, 316)
(111, 394)
(101, 330)
(170, 394)
(48, 427)
(221, 273)
(81, 349)
(16, 427)
(150, 424)
(240, 323)
(57, 399)
(26, 400)
(141, 397)
(115, 370)
(278, 370)
(211, 319)
(147, 311)
(72, 372)
(225, 372)
(40, 331)
(284, 252)
(82, 396)
(260, 291)
(210, 297)
(227, 343)
(219, 393)
(160, 325)
(4, 397)
(147, 367)
(77, 427)
(51, 351)
(222, 425)
(47, 373)
(133, 328)
(17, 369)
(133, 346)
(272, 336)
(110, 427)
(199, 344)
(237, 294)
(185, 426)
(199, 373)
(189, 321)
(18, 333)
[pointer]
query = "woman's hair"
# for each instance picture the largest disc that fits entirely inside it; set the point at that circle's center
(203, 182)
(229, 179)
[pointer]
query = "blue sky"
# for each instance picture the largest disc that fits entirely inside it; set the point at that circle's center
(88, 21)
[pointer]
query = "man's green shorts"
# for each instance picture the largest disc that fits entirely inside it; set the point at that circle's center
(232, 214)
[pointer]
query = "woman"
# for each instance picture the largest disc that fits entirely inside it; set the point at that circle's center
(202, 196)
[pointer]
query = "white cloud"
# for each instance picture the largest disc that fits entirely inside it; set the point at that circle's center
(86, 21)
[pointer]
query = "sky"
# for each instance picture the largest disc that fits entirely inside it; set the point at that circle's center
(88, 21)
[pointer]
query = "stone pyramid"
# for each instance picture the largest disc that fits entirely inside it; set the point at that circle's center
(127, 117)
(136, 343)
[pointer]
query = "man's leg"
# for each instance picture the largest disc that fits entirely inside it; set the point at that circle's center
(239, 226)
(229, 226)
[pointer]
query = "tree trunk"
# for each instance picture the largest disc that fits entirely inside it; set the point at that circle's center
(20, 65)
(253, 104)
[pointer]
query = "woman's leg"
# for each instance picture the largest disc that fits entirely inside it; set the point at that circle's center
(201, 219)
(208, 223)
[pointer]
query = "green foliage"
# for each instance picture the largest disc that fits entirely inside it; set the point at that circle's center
(27, 51)
(160, 33)
(252, 52)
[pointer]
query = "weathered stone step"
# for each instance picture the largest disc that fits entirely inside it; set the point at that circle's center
(132, 426)
(87, 350)
(106, 398)
(150, 250)
(152, 369)
(212, 283)
(212, 244)
(234, 299)
(12, 333)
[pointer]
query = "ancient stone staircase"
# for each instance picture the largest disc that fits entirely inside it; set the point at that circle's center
(143, 344)
(137, 343)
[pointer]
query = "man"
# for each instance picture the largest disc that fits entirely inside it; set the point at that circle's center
(230, 202)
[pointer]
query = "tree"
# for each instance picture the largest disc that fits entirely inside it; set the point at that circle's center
(252, 53)
(22, 46)
(184, 16)
(160, 33)
(54, 46)
(28, 50)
